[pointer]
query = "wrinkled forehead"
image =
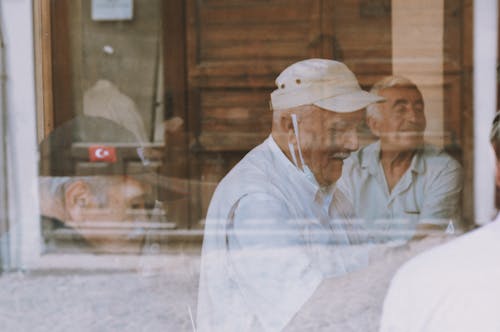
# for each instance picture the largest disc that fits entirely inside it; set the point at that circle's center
(325, 119)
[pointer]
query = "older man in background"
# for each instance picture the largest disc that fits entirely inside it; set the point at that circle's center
(400, 186)
(270, 217)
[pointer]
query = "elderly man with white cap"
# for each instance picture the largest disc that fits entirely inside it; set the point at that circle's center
(271, 215)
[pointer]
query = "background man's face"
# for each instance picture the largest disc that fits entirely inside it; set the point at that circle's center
(102, 210)
(327, 138)
(402, 122)
(124, 201)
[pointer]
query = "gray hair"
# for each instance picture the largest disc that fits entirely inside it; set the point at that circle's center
(55, 186)
(372, 110)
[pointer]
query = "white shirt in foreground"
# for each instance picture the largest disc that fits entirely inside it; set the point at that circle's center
(454, 287)
(268, 244)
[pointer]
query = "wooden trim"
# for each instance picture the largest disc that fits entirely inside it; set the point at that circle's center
(192, 45)
(61, 62)
(43, 68)
(52, 65)
(467, 112)
(176, 158)
(174, 39)
(175, 85)
(328, 40)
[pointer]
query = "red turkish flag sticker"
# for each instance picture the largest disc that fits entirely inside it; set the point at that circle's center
(102, 153)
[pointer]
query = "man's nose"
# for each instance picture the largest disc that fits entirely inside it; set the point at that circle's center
(351, 140)
(415, 115)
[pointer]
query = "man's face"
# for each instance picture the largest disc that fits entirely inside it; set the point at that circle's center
(121, 201)
(124, 200)
(326, 139)
(402, 121)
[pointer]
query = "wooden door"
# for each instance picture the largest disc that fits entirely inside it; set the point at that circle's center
(234, 51)
(222, 57)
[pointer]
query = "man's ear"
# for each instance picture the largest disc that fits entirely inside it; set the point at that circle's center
(77, 197)
(373, 124)
(286, 126)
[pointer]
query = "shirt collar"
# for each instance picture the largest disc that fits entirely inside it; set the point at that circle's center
(370, 158)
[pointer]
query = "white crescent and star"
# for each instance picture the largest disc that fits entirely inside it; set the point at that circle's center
(101, 153)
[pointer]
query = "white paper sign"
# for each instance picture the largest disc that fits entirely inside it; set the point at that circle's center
(112, 10)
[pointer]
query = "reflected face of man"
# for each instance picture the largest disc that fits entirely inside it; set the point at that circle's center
(402, 122)
(327, 138)
(120, 200)
(124, 200)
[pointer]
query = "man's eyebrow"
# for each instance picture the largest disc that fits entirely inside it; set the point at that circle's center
(400, 101)
(340, 123)
(344, 124)
(343, 121)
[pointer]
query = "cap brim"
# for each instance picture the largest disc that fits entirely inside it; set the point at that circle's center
(168, 188)
(350, 102)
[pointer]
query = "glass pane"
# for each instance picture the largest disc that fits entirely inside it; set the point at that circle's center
(270, 163)
(100, 166)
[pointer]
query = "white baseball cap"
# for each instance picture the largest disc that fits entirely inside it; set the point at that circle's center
(325, 83)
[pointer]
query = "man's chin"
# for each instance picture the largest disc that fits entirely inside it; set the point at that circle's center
(413, 137)
(412, 144)
(334, 171)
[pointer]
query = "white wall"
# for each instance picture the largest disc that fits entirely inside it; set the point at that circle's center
(17, 27)
(485, 80)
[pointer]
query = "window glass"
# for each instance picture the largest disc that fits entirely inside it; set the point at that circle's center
(276, 161)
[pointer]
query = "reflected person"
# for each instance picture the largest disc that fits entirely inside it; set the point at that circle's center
(85, 187)
(269, 216)
(400, 186)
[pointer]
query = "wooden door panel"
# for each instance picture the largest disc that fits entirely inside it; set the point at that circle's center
(454, 33)
(255, 32)
(251, 32)
(361, 35)
(235, 49)
(234, 120)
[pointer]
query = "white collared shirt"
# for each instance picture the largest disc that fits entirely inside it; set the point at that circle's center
(453, 287)
(268, 244)
(428, 192)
